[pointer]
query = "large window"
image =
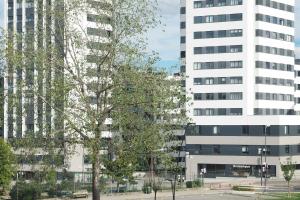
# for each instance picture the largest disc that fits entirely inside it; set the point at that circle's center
(218, 80)
(218, 34)
(217, 111)
(274, 96)
(218, 96)
(274, 51)
(218, 18)
(273, 111)
(274, 20)
(276, 5)
(274, 66)
(218, 49)
(274, 81)
(274, 35)
(216, 3)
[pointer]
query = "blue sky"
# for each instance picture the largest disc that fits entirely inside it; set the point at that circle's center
(165, 39)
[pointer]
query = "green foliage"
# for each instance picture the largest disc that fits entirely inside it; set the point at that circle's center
(189, 184)
(7, 164)
(288, 170)
(147, 187)
(26, 191)
(242, 188)
(193, 184)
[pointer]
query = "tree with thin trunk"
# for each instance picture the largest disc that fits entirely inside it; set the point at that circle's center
(7, 166)
(288, 170)
(84, 77)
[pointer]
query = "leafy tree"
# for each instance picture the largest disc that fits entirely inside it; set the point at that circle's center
(156, 185)
(26, 191)
(120, 169)
(288, 170)
(7, 166)
(83, 80)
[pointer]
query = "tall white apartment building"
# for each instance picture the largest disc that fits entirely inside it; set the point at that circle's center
(238, 58)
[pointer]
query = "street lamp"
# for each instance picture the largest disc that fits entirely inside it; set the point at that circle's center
(261, 169)
(265, 149)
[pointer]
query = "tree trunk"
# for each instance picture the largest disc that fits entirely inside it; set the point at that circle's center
(151, 169)
(289, 188)
(173, 185)
(155, 192)
(118, 187)
(96, 178)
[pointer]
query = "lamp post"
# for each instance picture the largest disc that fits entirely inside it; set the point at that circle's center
(265, 150)
(261, 168)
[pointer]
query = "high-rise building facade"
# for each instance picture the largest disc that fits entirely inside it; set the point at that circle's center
(239, 63)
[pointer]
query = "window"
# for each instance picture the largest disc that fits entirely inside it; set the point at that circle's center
(236, 17)
(286, 130)
(209, 19)
(209, 112)
(235, 80)
(216, 149)
(236, 33)
(236, 64)
(218, 18)
(210, 50)
(235, 111)
(287, 149)
(216, 130)
(221, 33)
(274, 20)
(209, 81)
(182, 54)
(222, 96)
(236, 2)
(197, 96)
(245, 130)
(235, 48)
(236, 96)
(221, 49)
(182, 10)
(197, 81)
(209, 96)
(182, 25)
(245, 149)
(222, 80)
(182, 39)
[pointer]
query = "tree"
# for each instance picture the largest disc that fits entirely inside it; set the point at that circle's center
(156, 185)
(7, 166)
(288, 170)
(83, 78)
(120, 169)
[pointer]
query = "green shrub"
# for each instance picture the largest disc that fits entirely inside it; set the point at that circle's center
(147, 189)
(26, 191)
(189, 184)
(197, 183)
(242, 188)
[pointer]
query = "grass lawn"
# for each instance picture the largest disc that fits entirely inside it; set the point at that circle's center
(282, 196)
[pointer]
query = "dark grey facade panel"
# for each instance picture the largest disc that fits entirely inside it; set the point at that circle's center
(246, 130)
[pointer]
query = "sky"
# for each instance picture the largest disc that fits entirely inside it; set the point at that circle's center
(165, 39)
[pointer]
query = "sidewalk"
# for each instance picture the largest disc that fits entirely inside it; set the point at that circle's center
(160, 195)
